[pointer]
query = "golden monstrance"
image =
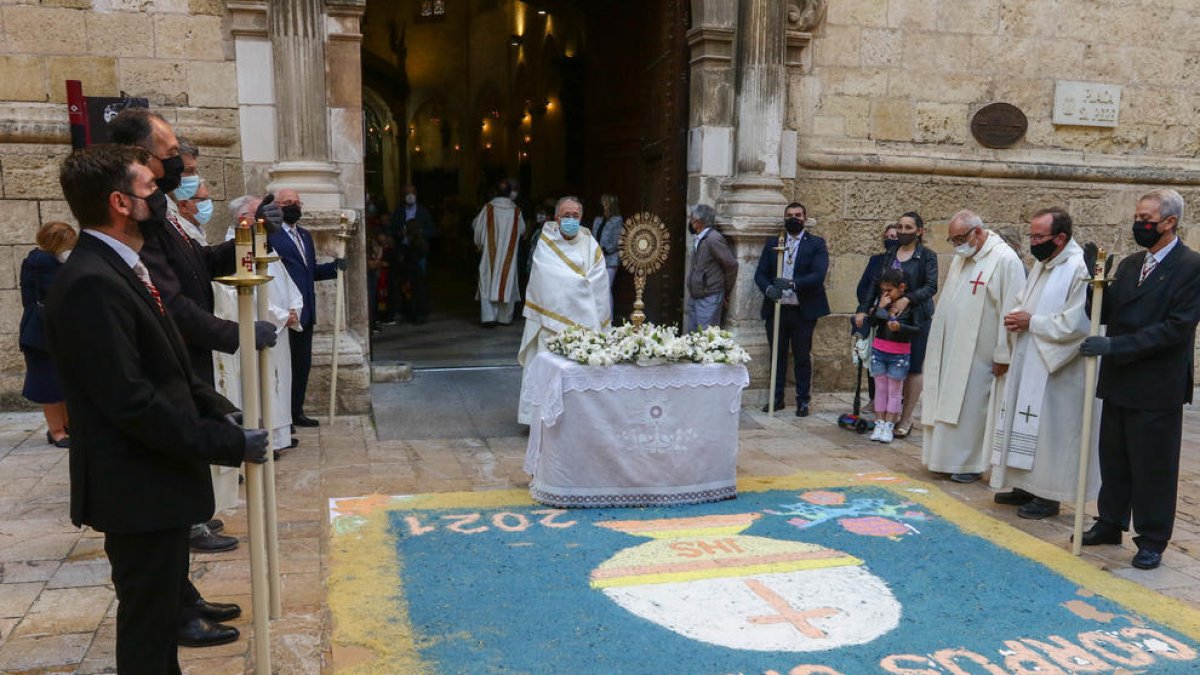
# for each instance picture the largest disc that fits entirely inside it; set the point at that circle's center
(644, 248)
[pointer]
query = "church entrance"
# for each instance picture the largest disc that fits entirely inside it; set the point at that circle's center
(567, 97)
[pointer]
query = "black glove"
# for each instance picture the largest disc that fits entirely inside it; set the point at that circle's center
(1090, 251)
(1096, 345)
(773, 293)
(271, 214)
(234, 418)
(341, 264)
(783, 284)
(264, 334)
(256, 446)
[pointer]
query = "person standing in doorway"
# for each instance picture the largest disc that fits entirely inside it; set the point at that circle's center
(497, 229)
(296, 250)
(801, 292)
(713, 271)
(606, 229)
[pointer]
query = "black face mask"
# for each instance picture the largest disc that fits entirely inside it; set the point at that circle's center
(906, 238)
(1044, 250)
(157, 203)
(794, 226)
(172, 174)
(891, 244)
(1146, 233)
(291, 213)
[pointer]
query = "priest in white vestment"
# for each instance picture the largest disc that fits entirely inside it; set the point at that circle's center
(568, 286)
(968, 349)
(498, 230)
(1039, 423)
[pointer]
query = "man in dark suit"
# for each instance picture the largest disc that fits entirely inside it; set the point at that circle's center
(295, 247)
(183, 270)
(801, 295)
(1151, 310)
(144, 427)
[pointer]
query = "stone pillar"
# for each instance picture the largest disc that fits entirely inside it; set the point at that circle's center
(750, 206)
(297, 32)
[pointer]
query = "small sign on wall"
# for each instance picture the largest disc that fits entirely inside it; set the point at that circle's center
(1087, 104)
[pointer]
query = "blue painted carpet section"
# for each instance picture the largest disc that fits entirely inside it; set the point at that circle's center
(511, 590)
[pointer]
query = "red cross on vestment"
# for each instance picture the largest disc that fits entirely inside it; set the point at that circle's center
(977, 283)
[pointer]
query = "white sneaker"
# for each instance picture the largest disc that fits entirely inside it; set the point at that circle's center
(886, 435)
(878, 432)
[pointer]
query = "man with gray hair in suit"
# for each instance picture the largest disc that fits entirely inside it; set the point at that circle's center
(713, 271)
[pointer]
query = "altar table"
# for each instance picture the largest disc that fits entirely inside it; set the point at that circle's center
(630, 435)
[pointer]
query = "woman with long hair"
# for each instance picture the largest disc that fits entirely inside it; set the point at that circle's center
(920, 268)
(54, 243)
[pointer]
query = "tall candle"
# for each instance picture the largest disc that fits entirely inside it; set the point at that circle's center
(244, 248)
(260, 238)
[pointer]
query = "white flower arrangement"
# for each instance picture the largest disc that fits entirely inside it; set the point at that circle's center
(650, 345)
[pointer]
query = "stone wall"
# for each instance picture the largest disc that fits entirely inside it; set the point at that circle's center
(883, 114)
(177, 53)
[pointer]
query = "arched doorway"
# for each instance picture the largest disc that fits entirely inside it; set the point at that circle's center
(568, 96)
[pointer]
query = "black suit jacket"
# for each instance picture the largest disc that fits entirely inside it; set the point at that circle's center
(144, 428)
(812, 263)
(1153, 329)
(183, 272)
(303, 269)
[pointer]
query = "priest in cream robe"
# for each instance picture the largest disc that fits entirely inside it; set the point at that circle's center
(498, 230)
(568, 286)
(284, 305)
(968, 349)
(1038, 426)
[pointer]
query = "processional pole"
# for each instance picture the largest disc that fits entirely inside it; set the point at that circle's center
(780, 247)
(245, 280)
(1099, 279)
(262, 258)
(342, 236)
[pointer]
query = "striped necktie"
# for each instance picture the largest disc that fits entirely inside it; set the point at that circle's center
(144, 274)
(1147, 267)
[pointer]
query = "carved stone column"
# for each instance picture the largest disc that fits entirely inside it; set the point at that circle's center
(297, 32)
(750, 206)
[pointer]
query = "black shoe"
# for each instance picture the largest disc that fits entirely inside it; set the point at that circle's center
(207, 542)
(218, 611)
(1101, 533)
(802, 410)
(965, 477)
(1038, 508)
(64, 442)
(778, 406)
(201, 632)
(1146, 559)
(275, 454)
(303, 420)
(215, 525)
(1014, 497)
(295, 443)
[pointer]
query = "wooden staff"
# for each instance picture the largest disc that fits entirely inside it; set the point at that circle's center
(262, 258)
(780, 247)
(1099, 280)
(245, 280)
(342, 235)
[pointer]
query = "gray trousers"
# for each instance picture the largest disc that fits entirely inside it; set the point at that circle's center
(704, 312)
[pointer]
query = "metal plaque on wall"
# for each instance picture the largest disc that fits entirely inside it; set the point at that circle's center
(999, 125)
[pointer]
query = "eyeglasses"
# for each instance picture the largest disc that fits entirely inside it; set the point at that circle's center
(962, 238)
(1039, 238)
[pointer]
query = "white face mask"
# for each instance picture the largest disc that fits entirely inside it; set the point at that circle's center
(965, 250)
(63, 255)
(410, 199)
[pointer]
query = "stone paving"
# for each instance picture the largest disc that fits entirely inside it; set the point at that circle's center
(57, 607)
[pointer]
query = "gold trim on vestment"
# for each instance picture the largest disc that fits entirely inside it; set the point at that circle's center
(551, 315)
(563, 256)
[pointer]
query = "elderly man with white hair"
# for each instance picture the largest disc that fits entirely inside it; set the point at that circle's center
(1151, 311)
(284, 302)
(712, 273)
(568, 286)
(969, 349)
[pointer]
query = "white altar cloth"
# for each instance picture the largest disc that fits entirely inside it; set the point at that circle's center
(631, 435)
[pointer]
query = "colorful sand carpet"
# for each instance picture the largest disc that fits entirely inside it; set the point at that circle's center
(815, 573)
